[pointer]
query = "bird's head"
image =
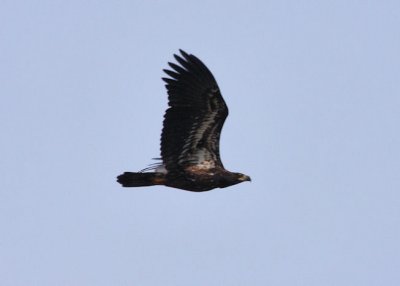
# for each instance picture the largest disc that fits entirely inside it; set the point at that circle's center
(243, 177)
(230, 178)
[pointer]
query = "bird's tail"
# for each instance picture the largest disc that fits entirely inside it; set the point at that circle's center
(129, 179)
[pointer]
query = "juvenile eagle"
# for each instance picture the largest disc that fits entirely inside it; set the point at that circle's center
(191, 131)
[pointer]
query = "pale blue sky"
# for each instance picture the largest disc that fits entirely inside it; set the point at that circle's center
(313, 89)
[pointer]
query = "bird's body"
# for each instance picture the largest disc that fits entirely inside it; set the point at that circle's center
(195, 180)
(191, 132)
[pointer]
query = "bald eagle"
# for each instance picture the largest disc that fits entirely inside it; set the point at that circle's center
(191, 131)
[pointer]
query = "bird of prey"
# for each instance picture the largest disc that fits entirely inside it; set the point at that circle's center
(190, 158)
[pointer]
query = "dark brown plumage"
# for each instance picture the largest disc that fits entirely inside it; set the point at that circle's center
(191, 132)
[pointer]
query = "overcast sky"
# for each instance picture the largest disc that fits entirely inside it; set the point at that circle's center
(313, 89)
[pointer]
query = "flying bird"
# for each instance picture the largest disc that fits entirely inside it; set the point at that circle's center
(190, 157)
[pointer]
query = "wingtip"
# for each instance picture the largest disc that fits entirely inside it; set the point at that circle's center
(178, 58)
(168, 80)
(172, 74)
(183, 53)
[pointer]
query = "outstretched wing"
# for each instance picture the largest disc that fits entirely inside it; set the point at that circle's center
(194, 120)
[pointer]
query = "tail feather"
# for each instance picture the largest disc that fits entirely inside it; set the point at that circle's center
(130, 179)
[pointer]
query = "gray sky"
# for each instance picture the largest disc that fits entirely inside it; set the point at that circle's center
(313, 89)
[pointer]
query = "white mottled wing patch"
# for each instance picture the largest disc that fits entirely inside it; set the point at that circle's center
(201, 156)
(161, 169)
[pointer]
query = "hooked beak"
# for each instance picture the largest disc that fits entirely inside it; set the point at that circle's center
(245, 178)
